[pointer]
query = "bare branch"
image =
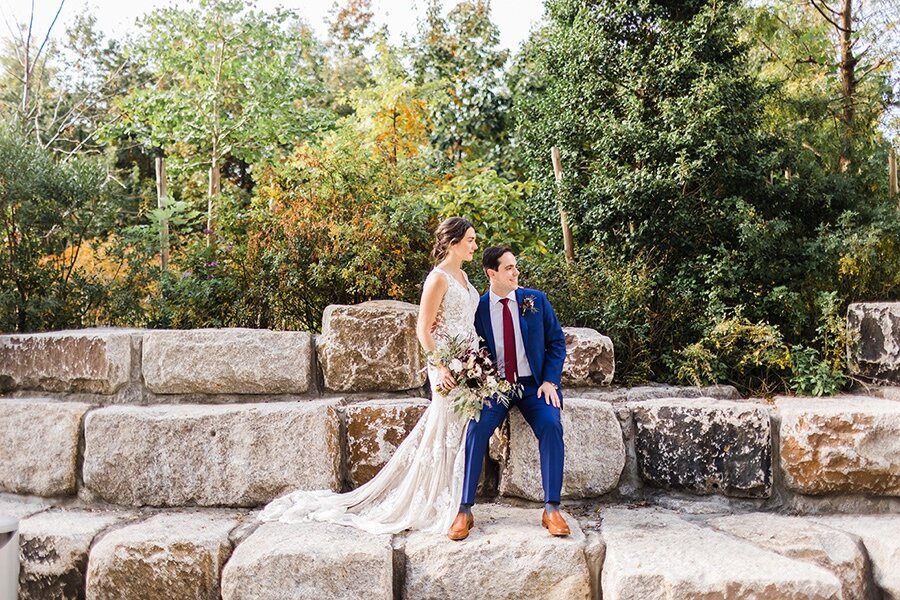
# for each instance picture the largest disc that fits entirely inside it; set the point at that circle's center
(49, 29)
(827, 18)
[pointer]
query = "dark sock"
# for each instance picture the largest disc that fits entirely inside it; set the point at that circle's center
(465, 508)
(551, 506)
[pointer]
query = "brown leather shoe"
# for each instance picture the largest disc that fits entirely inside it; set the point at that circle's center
(459, 530)
(555, 523)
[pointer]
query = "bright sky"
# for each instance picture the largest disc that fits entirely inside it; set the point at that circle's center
(514, 17)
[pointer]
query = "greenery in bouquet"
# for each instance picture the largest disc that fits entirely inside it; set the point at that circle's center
(475, 374)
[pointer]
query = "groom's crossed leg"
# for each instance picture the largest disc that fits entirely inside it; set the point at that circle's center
(544, 420)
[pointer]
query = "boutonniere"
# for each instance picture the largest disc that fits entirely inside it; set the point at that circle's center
(528, 305)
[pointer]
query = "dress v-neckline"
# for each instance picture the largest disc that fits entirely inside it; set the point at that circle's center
(463, 286)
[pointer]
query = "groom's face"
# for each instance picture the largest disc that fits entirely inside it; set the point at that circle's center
(506, 277)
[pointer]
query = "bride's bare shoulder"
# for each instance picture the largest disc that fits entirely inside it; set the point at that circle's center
(436, 280)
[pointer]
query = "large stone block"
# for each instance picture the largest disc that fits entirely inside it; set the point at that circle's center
(283, 561)
(848, 444)
(595, 453)
(654, 554)
(839, 553)
(227, 361)
(374, 430)
(39, 446)
(506, 556)
(881, 536)
(705, 446)
(641, 393)
(21, 507)
(54, 552)
(211, 455)
(175, 555)
(590, 359)
(874, 352)
(86, 360)
(371, 347)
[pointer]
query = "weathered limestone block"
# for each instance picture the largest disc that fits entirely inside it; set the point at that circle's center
(641, 393)
(875, 327)
(20, 507)
(590, 359)
(86, 360)
(656, 554)
(595, 453)
(705, 446)
(371, 347)
(227, 361)
(174, 555)
(845, 444)
(881, 536)
(374, 430)
(282, 561)
(211, 455)
(39, 446)
(841, 554)
(54, 552)
(506, 556)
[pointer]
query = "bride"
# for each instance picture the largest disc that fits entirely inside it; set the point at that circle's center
(421, 485)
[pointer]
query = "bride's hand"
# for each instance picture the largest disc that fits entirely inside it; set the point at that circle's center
(447, 382)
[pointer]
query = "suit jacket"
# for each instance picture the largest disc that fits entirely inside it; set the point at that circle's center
(542, 335)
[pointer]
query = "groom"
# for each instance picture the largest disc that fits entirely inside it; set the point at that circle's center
(525, 340)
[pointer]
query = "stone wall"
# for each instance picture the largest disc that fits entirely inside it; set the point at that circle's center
(137, 455)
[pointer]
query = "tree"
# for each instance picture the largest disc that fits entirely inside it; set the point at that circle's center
(227, 83)
(832, 62)
(50, 212)
(656, 115)
(459, 57)
(59, 91)
(351, 36)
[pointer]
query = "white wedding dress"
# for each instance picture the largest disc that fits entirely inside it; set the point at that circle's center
(421, 485)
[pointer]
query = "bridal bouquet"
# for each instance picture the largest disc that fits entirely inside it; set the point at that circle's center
(475, 374)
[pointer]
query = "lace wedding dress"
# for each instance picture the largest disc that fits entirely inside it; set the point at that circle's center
(421, 485)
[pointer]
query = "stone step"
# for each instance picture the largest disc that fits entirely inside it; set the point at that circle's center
(39, 441)
(211, 455)
(244, 455)
(364, 348)
(639, 553)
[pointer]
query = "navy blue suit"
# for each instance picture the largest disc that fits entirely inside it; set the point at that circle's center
(545, 347)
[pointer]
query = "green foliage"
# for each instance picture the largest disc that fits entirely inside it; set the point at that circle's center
(604, 292)
(823, 372)
(493, 203)
(458, 56)
(49, 213)
(751, 356)
(228, 82)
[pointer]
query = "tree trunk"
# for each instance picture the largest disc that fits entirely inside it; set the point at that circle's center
(848, 84)
(892, 171)
(215, 188)
(563, 217)
(162, 201)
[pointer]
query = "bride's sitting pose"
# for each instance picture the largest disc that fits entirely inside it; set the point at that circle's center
(421, 485)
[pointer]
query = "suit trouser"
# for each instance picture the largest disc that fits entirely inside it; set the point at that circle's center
(544, 420)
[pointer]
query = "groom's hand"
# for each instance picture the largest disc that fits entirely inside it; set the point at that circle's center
(548, 392)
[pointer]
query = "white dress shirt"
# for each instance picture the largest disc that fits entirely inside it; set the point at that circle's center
(497, 323)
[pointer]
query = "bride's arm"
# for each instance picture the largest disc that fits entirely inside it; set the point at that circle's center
(432, 293)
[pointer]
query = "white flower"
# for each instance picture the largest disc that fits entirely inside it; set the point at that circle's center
(491, 380)
(455, 365)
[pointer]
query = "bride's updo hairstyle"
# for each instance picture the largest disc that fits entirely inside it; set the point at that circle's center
(449, 232)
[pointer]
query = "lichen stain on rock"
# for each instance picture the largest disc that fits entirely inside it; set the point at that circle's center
(39, 550)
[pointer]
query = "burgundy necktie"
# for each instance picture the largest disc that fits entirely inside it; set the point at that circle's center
(509, 343)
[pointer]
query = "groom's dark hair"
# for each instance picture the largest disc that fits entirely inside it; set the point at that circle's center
(490, 259)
